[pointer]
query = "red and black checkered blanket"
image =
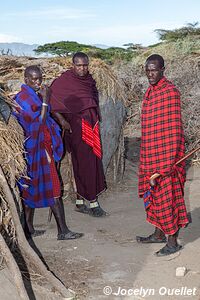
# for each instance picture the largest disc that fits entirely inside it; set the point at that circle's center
(162, 145)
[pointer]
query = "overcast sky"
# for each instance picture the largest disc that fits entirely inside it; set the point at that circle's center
(108, 22)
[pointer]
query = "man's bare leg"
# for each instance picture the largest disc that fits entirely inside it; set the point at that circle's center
(63, 231)
(29, 228)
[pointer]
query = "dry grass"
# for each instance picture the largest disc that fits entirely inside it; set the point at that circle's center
(13, 165)
(108, 83)
(11, 150)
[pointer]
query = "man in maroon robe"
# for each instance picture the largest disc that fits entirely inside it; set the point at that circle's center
(75, 105)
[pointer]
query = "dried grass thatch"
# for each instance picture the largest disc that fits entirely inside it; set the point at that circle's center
(13, 166)
(108, 83)
(11, 150)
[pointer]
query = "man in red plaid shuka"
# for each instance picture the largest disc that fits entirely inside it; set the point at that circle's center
(162, 145)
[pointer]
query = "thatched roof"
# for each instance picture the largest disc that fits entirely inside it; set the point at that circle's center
(12, 68)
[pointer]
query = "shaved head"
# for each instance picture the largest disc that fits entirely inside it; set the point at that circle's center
(156, 57)
(31, 69)
(80, 55)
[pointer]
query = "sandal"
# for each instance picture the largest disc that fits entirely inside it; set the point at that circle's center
(69, 236)
(82, 208)
(151, 239)
(37, 232)
(98, 212)
(167, 250)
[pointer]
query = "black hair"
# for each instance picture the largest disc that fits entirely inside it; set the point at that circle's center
(158, 58)
(30, 69)
(79, 55)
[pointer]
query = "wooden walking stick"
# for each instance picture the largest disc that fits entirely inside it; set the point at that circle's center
(58, 167)
(156, 175)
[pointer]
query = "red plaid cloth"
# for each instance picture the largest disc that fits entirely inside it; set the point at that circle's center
(162, 145)
(91, 137)
(53, 171)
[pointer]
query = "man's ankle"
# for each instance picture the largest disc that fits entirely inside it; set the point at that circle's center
(79, 202)
(94, 204)
(158, 233)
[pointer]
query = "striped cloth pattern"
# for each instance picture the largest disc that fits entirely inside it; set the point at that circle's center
(40, 186)
(91, 136)
(56, 185)
(162, 145)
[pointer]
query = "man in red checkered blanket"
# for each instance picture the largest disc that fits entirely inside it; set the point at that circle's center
(162, 145)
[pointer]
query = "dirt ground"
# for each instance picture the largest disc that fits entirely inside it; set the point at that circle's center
(108, 263)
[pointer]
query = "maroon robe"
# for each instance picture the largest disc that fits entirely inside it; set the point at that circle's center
(76, 97)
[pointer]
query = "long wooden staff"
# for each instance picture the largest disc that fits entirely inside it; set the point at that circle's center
(58, 167)
(156, 175)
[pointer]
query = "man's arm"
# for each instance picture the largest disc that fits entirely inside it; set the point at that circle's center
(61, 120)
(44, 92)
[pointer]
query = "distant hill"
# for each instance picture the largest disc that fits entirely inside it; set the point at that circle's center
(21, 49)
(101, 46)
(18, 49)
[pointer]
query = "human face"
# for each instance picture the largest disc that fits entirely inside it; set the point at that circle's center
(154, 72)
(34, 80)
(81, 66)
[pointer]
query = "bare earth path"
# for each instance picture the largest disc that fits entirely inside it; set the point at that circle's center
(108, 255)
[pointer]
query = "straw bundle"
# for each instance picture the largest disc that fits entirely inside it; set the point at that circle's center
(11, 150)
(13, 166)
(107, 83)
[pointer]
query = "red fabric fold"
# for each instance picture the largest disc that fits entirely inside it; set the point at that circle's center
(91, 137)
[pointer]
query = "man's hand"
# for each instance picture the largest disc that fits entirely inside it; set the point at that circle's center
(65, 125)
(61, 120)
(152, 179)
(44, 91)
(99, 114)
